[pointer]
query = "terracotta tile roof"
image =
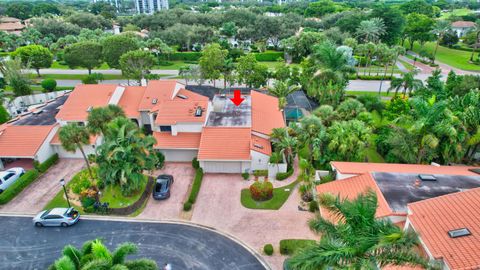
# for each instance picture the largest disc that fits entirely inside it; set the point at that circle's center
(225, 143)
(403, 267)
(22, 141)
(364, 167)
(11, 26)
(463, 24)
(433, 218)
(130, 100)
(351, 188)
(265, 113)
(9, 19)
(157, 92)
(261, 145)
(83, 97)
(184, 140)
(181, 109)
(56, 139)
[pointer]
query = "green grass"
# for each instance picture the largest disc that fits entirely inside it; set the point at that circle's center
(455, 58)
(360, 93)
(407, 65)
(456, 12)
(76, 76)
(374, 70)
(57, 65)
(280, 196)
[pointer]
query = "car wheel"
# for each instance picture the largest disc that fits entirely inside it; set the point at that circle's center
(38, 224)
(64, 224)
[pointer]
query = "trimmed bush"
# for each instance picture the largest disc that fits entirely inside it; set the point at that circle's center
(268, 249)
(197, 182)
(43, 167)
(245, 175)
(313, 206)
(261, 191)
(290, 246)
(195, 163)
(93, 78)
(87, 202)
(282, 176)
(187, 206)
(81, 181)
(49, 85)
(18, 186)
(260, 173)
(268, 56)
(161, 160)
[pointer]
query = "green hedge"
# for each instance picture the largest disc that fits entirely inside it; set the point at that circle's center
(182, 56)
(18, 186)
(43, 167)
(197, 182)
(290, 246)
(260, 173)
(268, 56)
(282, 176)
(369, 77)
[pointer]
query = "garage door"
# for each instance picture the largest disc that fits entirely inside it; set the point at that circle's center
(179, 155)
(221, 166)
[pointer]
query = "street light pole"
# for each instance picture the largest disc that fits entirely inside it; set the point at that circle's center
(62, 182)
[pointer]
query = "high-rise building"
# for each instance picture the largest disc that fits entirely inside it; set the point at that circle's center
(150, 6)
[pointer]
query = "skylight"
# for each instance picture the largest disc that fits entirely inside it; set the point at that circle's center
(459, 232)
(427, 177)
(182, 96)
(154, 101)
(198, 112)
(258, 146)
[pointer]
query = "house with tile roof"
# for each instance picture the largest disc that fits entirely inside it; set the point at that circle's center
(461, 28)
(225, 138)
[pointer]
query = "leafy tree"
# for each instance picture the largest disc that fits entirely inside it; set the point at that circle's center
(4, 116)
(95, 255)
(158, 47)
(371, 30)
(115, 46)
(20, 10)
(281, 90)
(93, 78)
(49, 85)
(136, 64)
(419, 28)
(229, 29)
(212, 61)
(320, 8)
(125, 154)
(393, 19)
(35, 56)
(302, 45)
(358, 239)
(347, 140)
(88, 20)
(73, 137)
(417, 6)
(449, 39)
(407, 82)
(250, 72)
(103, 8)
(55, 28)
(15, 77)
(440, 29)
(349, 109)
(86, 54)
(99, 117)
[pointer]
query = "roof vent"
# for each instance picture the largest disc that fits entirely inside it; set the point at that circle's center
(435, 164)
(427, 177)
(154, 101)
(198, 112)
(89, 109)
(258, 146)
(459, 233)
(182, 96)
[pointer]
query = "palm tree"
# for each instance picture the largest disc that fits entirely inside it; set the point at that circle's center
(98, 118)
(287, 146)
(371, 30)
(407, 82)
(73, 137)
(399, 50)
(281, 90)
(476, 29)
(440, 28)
(95, 255)
(358, 240)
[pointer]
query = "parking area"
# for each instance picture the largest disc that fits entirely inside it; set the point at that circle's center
(171, 208)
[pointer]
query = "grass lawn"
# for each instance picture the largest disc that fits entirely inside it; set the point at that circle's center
(456, 12)
(455, 58)
(76, 76)
(280, 196)
(361, 93)
(377, 70)
(57, 65)
(407, 65)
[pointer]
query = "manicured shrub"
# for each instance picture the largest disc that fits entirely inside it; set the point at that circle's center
(81, 181)
(87, 202)
(245, 175)
(160, 160)
(369, 77)
(93, 78)
(290, 246)
(282, 176)
(49, 85)
(197, 182)
(268, 56)
(195, 163)
(187, 206)
(261, 191)
(313, 206)
(260, 173)
(268, 249)
(17, 187)
(43, 167)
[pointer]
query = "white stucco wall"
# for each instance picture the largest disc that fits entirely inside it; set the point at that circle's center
(65, 154)
(259, 160)
(188, 127)
(179, 155)
(46, 150)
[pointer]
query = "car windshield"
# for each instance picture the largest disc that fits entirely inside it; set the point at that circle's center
(46, 213)
(161, 185)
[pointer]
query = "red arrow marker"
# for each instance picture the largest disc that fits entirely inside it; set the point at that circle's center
(237, 98)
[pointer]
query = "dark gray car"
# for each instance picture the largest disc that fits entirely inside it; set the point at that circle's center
(161, 189)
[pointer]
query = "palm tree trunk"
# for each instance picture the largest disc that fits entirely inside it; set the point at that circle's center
(86, 160)
(435, 52)
(394, 64)
(381, 81)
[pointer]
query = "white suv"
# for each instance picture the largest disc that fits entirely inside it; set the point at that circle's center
(8, 177)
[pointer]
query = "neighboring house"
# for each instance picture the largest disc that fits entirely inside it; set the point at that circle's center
(11, 25)
(462, 27)
(224, 137)
(430, 199)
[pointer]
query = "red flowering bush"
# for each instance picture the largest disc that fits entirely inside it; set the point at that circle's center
(261, 191)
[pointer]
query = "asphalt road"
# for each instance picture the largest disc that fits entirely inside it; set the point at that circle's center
(23, 246)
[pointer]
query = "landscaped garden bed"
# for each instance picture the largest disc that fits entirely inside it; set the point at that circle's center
(278, 198)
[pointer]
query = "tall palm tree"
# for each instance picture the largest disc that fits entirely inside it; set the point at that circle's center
(441, 27)
(358, 240)
(73, 137)
(407, 82)
(399, 50)
(287, 146)
(371, 30)
(476, 29)
(95, 255)
(281, 89)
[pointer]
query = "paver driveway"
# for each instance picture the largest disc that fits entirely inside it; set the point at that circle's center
(33, 198)
(171, 208)
(219, 206)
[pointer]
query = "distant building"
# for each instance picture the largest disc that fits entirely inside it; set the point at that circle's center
(462, 27)
(150, 6)
(11, 25)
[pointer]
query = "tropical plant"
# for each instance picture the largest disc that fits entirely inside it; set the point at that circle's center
(407, 82)
(98, 118)
(356, 239)
(136, 64)
(281, 89)
(440, 29)
(15, 77)
(371, 30)
(95, 255)
(73, 137)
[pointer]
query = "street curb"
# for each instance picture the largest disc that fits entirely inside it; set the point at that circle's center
(164, 221)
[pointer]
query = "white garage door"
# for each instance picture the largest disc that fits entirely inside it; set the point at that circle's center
(221, 166)
(179, 155)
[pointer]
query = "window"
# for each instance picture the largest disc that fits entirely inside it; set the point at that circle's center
(8, 176)
(166, 128)
(459, 233)
(427, 177)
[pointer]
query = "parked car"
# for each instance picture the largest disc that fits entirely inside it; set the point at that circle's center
(57, 217)
(10, 176)
(163, 184)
